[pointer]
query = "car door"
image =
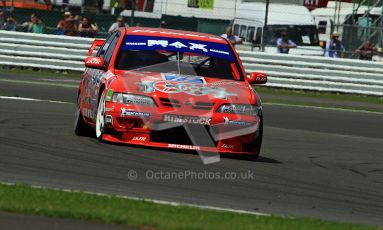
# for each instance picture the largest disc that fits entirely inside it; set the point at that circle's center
(93, 78)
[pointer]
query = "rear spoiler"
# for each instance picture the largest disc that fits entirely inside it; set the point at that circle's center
(96, 43)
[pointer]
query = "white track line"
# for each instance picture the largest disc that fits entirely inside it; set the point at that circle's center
(33, 99)
(171, 203)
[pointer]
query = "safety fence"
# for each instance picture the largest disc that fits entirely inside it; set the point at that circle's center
(285, 71)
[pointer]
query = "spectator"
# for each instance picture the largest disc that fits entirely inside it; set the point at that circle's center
(35, 25)
(77, 20)
(366, 52)
(378, 57)
(334, 47)
(10, 24)
(67, 26)
(61, 23)
(119, 23)
(87, 29)
(232, 38)
(284, 44)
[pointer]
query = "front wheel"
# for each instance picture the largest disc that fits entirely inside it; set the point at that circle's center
(257, 144)
(100, 119)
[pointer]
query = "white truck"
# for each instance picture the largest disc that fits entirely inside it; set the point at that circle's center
(296, 20)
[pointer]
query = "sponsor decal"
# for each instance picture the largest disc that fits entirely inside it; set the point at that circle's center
(138, 138)
(237, 109)
(187, 119)
(126, 112)
(225, 83)
(109, 109)
(136, 43)
(227, 146)
(227, 121)
(137, 100)
(203, 4)
(189, 147)
(87, 100)
(192, 85)
(211, 49)
(109, 95)
(219, 52)
(94, 61)
(109, 74)
(184, 78)
(88, 113)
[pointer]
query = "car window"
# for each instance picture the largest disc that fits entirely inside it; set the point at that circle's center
(236, 29)
(322, 26)
(250, 34)
(101, 52)
(111, 47)
(176, 55)
(242, 33)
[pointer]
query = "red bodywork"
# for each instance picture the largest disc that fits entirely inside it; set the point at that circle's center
(139, 125)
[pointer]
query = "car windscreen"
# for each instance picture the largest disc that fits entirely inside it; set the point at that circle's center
(181, 56)
(302, 35)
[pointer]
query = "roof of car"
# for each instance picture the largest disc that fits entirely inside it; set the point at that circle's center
(160, 32)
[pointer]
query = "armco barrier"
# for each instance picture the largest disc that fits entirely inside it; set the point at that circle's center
(285, 71)
(43, 51)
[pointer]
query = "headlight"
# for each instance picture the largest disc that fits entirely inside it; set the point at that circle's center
(132, 99)
(239, 109)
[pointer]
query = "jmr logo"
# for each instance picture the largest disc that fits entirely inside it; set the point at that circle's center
(93, 61)
(226, 146)
(137, 138)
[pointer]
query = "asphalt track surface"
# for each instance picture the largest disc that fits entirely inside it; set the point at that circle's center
(317, 163)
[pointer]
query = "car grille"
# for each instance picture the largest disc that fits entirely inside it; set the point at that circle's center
(174, 103)
(170, 102)
(203, 105)
(178, 135)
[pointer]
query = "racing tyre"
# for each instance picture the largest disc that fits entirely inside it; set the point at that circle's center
(257, 144)
(100, 119)
(80, 127)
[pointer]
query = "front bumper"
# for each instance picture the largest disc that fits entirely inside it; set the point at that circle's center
(228, 133)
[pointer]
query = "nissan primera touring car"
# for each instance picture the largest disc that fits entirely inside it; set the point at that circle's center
(170, 89)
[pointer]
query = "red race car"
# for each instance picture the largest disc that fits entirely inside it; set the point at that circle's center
(170, 89)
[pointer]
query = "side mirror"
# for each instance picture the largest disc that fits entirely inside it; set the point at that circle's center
(95, 62)
(257, 78)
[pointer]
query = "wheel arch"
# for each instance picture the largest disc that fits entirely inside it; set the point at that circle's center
(102, 88)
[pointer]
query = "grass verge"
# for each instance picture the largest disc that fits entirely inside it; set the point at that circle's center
(337, 97)
(42, 73)
(324, 105)
(143, 214)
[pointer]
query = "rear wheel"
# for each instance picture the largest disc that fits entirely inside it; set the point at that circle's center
(80, 127)
(100, 119)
